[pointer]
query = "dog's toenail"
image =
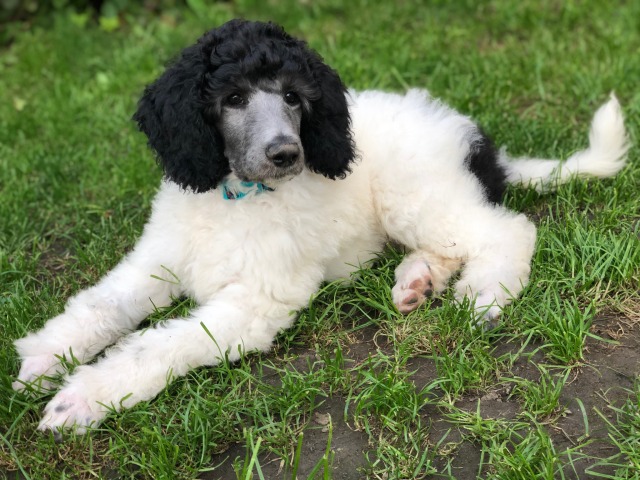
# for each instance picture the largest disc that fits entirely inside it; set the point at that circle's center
(57, 436)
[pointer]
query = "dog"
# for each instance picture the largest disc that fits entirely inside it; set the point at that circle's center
(276, 179)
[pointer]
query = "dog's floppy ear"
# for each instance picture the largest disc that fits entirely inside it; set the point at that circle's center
(326, 132)
(170, 113)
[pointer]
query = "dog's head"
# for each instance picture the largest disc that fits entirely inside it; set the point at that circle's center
(251, 100)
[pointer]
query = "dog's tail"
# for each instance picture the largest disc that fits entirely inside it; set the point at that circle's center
(605, 156)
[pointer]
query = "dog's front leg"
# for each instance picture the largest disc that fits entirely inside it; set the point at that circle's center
(98, 316)
(143, 363)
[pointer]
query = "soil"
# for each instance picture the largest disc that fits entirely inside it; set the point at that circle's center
(608, 370)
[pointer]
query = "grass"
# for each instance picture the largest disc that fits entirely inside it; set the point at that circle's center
(624, 433)
(76, 182)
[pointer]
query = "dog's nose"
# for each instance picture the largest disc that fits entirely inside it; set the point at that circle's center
(283, 154)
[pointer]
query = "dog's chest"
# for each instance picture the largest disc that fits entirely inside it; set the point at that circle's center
(272, 245)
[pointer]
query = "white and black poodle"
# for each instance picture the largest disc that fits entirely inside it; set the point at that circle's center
(278, 179)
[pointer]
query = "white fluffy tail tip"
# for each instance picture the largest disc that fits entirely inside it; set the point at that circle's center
(605, 156)
(608, 145)
(608, 135)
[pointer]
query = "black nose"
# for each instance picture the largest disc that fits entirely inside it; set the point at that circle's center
(283, 154)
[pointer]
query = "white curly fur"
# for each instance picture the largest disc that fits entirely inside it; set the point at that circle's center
(250, 264)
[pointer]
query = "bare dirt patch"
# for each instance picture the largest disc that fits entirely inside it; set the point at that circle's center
(602, 380)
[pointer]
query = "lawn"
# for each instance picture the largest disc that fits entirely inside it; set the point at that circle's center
(354, 389)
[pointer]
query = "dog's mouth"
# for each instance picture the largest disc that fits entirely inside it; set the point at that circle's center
(270, 175)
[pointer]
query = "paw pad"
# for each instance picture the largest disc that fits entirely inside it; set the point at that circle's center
(414, 285)
(69, 410)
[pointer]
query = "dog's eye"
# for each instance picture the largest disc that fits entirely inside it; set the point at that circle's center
(292, 98)
(234, 100)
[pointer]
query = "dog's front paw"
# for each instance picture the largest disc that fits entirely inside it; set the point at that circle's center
(34, 372)
(70, 409)
(413, 286)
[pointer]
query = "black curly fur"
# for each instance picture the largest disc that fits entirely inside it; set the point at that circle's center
(482, 161)
(179, 110)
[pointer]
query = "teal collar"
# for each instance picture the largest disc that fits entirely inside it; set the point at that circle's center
(234, 189)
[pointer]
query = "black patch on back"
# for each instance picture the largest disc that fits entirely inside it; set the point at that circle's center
(482, 161)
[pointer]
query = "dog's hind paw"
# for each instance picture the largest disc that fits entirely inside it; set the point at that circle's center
(486, 306)
(413, 286)
(70, 410)
(485, 309)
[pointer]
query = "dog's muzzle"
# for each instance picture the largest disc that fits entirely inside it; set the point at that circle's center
(283, 152)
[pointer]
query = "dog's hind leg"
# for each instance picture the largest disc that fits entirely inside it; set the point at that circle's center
(493, 245)
(496, 271)
(420, 275)
(143, 363)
